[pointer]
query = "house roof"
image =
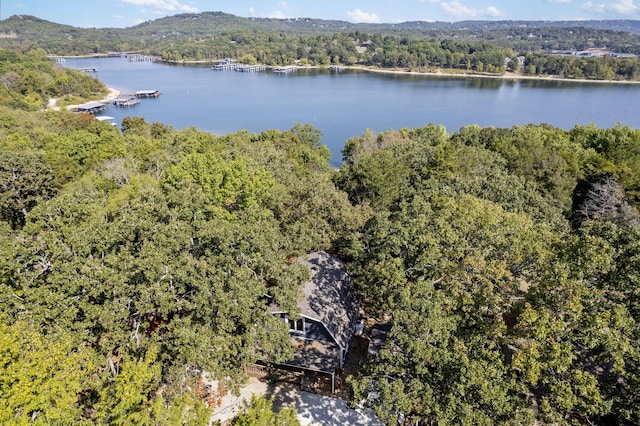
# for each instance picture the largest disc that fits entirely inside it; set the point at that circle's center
(327, 297)
(317, 355)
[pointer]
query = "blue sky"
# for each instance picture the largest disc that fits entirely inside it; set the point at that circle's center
(125, 13)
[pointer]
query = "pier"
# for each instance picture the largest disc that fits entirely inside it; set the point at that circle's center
(90, 107)
(89, 70)
(335, 68)
(233, 65)
(126, 101)
(285, 69)
(140, 58)
(250, 68)
(226, 65)
(147, 94)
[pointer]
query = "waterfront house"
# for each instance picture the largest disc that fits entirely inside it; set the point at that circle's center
(322, 332)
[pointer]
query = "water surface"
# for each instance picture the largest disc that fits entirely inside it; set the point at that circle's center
(345, 104)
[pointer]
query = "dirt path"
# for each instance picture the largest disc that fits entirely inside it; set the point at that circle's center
(113, 93)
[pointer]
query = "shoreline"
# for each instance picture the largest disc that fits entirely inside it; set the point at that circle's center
(439, 73)
(507, 76)
(113, 94)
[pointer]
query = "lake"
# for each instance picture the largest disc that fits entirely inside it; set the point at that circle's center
(345, 104)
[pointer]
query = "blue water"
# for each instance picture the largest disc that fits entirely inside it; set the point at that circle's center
(343, 105)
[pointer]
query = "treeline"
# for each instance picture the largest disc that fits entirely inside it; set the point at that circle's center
(489, 47)
(599, 68)
(28, 81)
(130, 263)
(341, 48)
(377, 50)
(394, 52)
(507, 259)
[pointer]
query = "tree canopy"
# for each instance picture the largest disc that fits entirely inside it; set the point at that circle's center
(132, 262)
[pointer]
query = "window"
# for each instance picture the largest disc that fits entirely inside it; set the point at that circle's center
(296, 325)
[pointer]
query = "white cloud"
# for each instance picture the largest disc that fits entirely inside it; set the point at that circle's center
(360, 16)
(252, 11)
(494, 12)
(620, 7)
(117, 16)
(283, 5)
(559, 1)
(429, 1)
(173, 5)
(458, 10)
(277, 14)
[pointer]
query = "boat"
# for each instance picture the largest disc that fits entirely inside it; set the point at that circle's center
(107, 118)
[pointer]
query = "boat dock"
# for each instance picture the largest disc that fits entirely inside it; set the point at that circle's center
(147, 94)
(90, 107)
(126, 101)
(250, 68)
(135, 57)
(336, 68)
(233, 65)
(286, 69)
(89, 70)
(226, 65)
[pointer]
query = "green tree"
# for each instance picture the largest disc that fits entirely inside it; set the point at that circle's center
(25, 180)
(42, 377)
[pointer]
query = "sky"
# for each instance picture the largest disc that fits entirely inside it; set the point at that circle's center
(126, 13)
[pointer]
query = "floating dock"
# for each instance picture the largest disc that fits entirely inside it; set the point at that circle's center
(147, 94)
(126, 101)
(286, 69)
(250, 68)
(90, 107)
(233, 65)
(140, 58)
(89, 70)
(226, 65)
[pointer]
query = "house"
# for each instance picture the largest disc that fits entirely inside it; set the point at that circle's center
(323, 330)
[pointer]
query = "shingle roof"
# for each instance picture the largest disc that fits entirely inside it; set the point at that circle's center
(328, 296)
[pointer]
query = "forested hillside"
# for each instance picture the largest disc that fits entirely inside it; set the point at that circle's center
(131, 262)
(476, 47)
(508, 260)
(28, 81)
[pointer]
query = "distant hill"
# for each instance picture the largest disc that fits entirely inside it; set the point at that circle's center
(25, 32)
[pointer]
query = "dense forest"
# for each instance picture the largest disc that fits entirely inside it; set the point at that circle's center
(485, 47)
(132, 261)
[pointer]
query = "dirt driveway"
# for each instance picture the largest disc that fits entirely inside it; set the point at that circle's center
(312, 409)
